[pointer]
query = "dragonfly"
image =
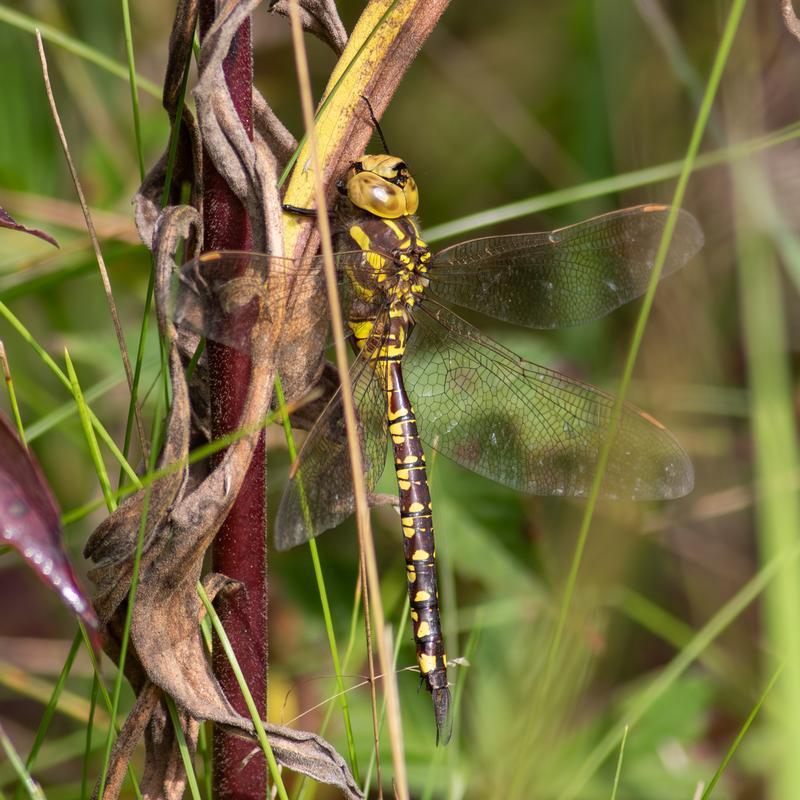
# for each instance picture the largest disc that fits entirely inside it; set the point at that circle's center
(425, 378)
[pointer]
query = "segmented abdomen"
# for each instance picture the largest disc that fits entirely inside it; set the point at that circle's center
(418, 541)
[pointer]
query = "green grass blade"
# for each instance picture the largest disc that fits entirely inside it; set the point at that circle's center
(777, 457)
(717, 69)
(132, 79)
(605, 186)
(248, 698)
(12, 395)
(150, 477)
(742, 732)
(88, 431)
(32, 788)
(108, 703)
(9, 316)
(682, 661)
(172, 155)
(50, 709)
(186, 756)
(323, 596)
(30, 25)
(123, 649)
(204, 744)
(87, 752)
(618, 771)
(58, 415)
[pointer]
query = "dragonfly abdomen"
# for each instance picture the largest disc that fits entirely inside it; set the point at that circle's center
(418, 543)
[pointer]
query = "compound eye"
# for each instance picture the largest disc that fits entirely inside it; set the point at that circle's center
(376, 195)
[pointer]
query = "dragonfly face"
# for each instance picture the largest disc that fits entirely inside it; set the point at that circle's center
(474, 401)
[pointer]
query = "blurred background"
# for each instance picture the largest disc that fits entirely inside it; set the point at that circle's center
(682, 611)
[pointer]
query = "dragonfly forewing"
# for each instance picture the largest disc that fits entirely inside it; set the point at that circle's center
(567, 276)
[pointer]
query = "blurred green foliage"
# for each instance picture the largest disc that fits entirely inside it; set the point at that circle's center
(505, 102)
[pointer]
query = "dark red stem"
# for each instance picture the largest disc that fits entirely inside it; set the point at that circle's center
(240, 547)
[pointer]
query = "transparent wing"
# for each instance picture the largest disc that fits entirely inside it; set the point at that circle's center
(320, 494)
(527, 426)
(221, 295)
(567, 276)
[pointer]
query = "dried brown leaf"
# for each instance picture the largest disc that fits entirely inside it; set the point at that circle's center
(7, 221)
(188, 166)
(319, 17)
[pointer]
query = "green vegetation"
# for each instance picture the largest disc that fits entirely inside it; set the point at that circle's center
(660, 653)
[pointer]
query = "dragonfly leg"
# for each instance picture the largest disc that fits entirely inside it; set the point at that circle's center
(301, 212)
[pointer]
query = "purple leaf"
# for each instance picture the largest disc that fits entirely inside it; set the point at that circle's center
(7, 221)
(30, 522)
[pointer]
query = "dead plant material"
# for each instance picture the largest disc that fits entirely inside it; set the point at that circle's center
(319, 17)
(790, 18)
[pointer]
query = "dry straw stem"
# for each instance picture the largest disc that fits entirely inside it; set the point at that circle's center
(101, 264)
(386, 39)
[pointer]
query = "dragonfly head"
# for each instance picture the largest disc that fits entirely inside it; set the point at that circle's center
(381, 185)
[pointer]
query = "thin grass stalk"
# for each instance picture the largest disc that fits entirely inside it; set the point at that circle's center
(12, 395)
(712, 86)
(777, 458)
(323, 595)
(50, 709)
(245, 690)
(366, 543)
(198, 454)
(186, 756)
(204, 745)
(54, 418)
(132, 80)
(618, 771)
(742, 733)
(29, 24)
(126, 630)
(172, 154)
(32, 789)
(451, 754)
(113, 722)
(401, 630)
(87, 751)
(104, 435)
(352, 635)
(669, 675)
(625, 181)
(98, 253)
(94, 449)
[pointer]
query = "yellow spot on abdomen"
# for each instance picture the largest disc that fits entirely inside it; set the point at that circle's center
(415, 508)
(423, 630)
(421, 597)
(426, 663)
(420, 555)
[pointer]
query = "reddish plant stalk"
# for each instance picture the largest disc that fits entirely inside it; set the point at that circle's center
(239, 549)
